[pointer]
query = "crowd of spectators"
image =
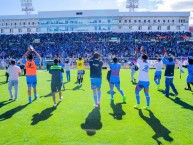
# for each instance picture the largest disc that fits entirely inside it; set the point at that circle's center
(83, 44)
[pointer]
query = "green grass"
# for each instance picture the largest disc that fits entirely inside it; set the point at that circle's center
(76, 122)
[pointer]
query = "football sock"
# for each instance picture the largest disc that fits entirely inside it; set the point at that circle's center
(29, 99)
(147, 98)
(81, 80)
(95, 98)
(121, 92)
(78, 81)
(137, 97)
(99, 96)
(111, 92)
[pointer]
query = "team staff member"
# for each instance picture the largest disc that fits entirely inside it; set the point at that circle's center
(31, 72)
(56, 83)
(96, 77)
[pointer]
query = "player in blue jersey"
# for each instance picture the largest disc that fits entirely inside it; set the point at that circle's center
(143, 78)
(96, 77)
(189, 79)
(115, 78)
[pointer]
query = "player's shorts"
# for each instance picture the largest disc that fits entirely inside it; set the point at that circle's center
(142, 84)
(157, 75)
(95, 83)
(80, 72)
(31, 81)
(116, 84)
(189, 79)
(56, 87)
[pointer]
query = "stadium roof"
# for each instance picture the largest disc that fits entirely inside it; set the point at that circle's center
(111, 12)
(11, 17)
(92, 13)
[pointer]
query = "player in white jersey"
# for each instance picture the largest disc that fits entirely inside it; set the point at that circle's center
(143, 78)
(158, 72)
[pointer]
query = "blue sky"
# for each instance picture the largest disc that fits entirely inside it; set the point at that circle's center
(13, 7)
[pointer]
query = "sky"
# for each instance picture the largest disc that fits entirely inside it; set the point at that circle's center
(13, 7)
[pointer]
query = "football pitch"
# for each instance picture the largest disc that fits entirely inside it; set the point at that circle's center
(75, 121)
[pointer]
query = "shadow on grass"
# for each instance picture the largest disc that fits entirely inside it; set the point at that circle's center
(77, 88)
(134, 83)
(110, 92)
(2, 83)
(11, 112)
(182, 103)
(66, 82)
(44, 115)
(92, 122)
(117, 111)
(158, 128)
(5, 103)
(163, 92)
(48, 95)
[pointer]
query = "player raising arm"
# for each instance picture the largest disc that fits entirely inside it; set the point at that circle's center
(31, 72)
(143, 78)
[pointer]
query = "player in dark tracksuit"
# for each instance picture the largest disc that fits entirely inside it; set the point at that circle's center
(56, 83)
(169, 74)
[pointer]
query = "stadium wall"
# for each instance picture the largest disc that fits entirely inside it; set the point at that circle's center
(94, 21)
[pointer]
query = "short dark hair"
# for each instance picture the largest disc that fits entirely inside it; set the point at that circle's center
(170, 59)
(190, 60)
(56, 61)
(66, 61)
(13, 62)
(30, 56)
(159, 59)
(145, 57)
(96, 55)
(115, 60)
(80, 58)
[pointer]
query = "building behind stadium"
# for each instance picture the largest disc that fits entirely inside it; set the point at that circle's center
(94, 21)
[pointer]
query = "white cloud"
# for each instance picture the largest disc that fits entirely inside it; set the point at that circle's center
(176, 5)
(120, 2)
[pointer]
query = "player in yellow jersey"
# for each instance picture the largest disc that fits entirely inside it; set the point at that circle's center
(80, 68)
